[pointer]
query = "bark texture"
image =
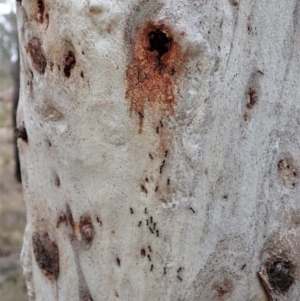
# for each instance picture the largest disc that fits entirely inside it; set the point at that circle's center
(159, 143)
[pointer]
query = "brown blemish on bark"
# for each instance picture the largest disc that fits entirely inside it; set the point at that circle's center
(155, 59)
(38, 58)
(57, 181)
(118, 261)
(223, 289)
(253, 98)
(246, 116)
(21, 132)
(46, 255)
(287, 172)
(143, 252)
(40, 11)
(69, 63)
(86, 228)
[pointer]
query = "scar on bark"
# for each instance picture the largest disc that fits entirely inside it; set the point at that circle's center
(277, 276)
(69, 63)
(87, 230)
(37, 55)
(253, 98)
(40, 11)
(46, 254)
(155, 58)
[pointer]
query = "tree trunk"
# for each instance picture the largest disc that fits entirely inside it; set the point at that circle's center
(159, 145)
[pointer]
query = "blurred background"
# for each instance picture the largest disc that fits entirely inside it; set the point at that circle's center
(12, 207)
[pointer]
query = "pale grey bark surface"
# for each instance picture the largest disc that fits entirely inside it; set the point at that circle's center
(159, 143)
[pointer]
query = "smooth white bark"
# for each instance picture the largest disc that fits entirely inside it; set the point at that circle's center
(202, 140)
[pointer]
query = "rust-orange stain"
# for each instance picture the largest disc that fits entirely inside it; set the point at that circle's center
(156, 60)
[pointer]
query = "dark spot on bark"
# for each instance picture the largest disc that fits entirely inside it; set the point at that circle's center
(46, 255)
(159, 42)
(37, 55)
(57, 181)
(116, 294)
(81, 74)
(249, 28)
(252, 98)
(62, 218)
(143, 188)
(143, 252)
(86, 229)
(234, 2)
(99, 221)
(118, 261)
(51, 66)
(225, 196)
(58, 67)
(40, 11)
(280, 274)
(70, 218)
(21, 132)
(69, 63)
